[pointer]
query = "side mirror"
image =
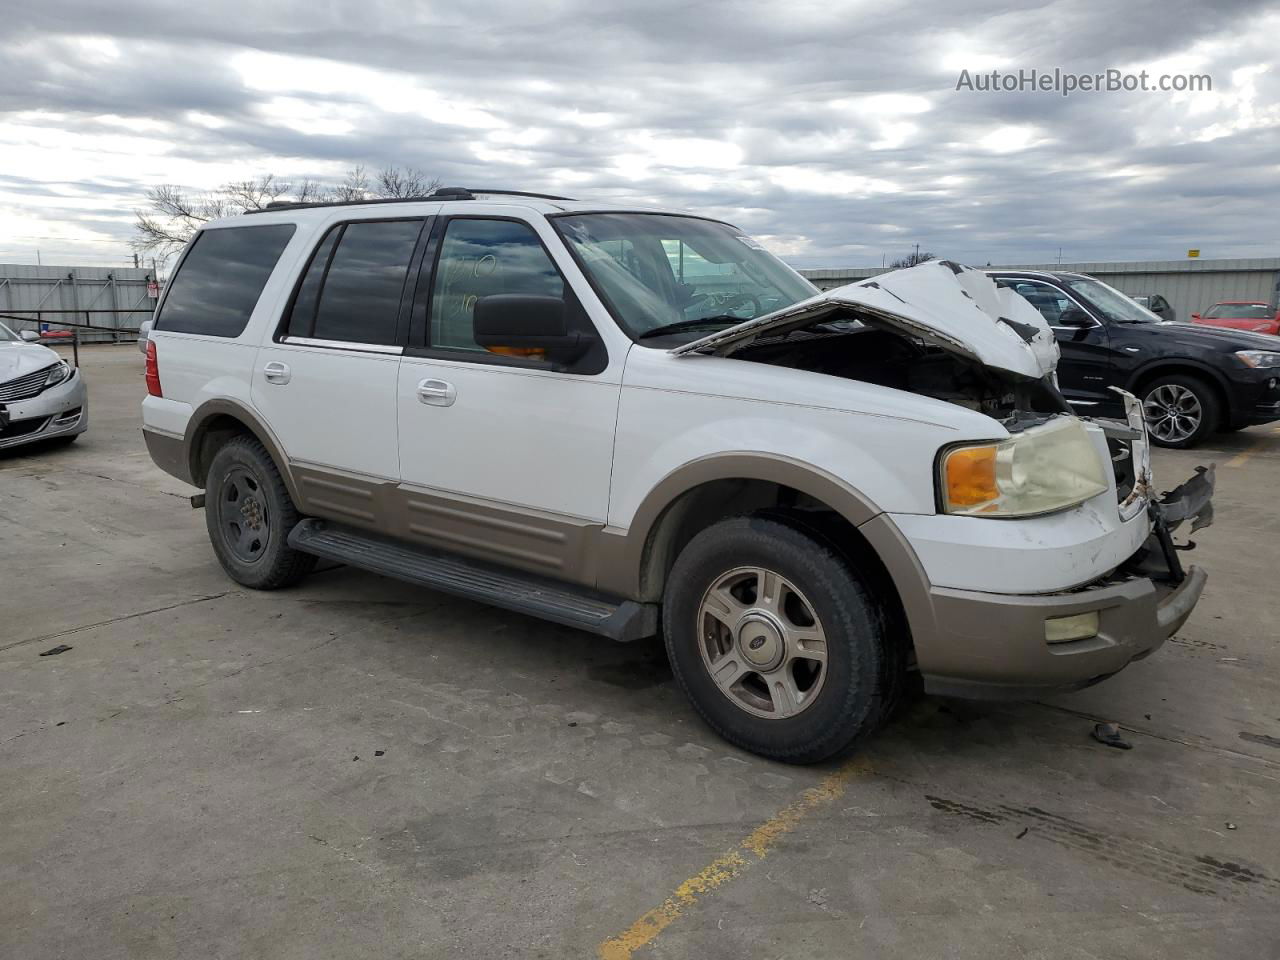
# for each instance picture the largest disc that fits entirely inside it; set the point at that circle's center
(528, 325)
(144, 333)
(1195, 316)
(30, 336)
(1073, 316)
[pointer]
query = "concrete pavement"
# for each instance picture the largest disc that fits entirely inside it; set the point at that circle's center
(358, 767)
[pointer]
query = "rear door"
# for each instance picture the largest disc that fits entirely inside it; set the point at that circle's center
(1087, 368)
(326, 382)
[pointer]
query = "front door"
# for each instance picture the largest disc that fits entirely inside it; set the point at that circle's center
(502, 457)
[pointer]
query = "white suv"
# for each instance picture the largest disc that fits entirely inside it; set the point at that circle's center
(634, 422)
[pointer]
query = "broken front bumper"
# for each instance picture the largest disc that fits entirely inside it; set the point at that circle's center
(994, 646)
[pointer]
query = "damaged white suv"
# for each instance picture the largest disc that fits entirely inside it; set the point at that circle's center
(635, 422)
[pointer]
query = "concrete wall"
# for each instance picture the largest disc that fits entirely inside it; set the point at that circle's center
(1189, 285)
(25, 288)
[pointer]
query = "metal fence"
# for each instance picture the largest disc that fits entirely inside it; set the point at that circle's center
(1189, 285)
(102, 303)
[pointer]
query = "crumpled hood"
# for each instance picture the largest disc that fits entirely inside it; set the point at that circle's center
(946, 304)
(17, 359)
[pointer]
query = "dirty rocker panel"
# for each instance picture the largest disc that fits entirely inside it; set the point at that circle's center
(524, 593)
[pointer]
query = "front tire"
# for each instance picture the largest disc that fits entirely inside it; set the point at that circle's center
(1181, 410)
(778, 641)
(249, 514)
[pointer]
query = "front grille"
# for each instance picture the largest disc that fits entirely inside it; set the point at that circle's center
(25, 386)
(20, 428)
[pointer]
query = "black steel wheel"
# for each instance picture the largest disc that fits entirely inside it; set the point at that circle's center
(249, 514)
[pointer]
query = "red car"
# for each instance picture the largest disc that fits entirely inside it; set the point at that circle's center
(1254, 315)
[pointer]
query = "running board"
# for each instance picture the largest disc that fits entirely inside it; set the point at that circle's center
(536, 596)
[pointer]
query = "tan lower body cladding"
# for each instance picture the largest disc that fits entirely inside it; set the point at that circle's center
(555, 546)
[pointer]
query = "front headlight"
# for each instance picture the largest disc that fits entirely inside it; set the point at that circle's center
(1041, 470)
(57, 374)
(1259, 358)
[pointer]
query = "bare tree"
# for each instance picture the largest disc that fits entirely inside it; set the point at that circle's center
(355, 186)
(173, 214)
(911, 259)
(402, 183)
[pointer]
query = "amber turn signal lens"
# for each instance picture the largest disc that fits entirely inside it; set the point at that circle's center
(971, 476)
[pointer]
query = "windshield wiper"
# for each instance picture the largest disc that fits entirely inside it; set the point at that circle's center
(680, 326)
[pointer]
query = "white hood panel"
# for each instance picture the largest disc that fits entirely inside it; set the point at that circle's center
(947, 304)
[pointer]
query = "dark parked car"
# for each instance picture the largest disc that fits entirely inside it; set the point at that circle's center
(1158, 305)
(1192, 379)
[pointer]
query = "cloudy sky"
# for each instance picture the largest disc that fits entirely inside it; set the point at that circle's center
(832, 130)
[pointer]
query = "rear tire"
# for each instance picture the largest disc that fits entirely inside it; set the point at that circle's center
(249, 514)
(744, 606)
(1181, 410)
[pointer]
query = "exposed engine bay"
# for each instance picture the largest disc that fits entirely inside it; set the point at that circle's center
(892, 359)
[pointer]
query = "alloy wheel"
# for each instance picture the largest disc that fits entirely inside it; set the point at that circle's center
(762, 643)
(1173, 412)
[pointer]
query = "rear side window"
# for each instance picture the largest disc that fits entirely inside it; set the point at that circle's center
(221, 278)
(352, 288)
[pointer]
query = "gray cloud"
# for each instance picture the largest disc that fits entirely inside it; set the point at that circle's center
(751, 111)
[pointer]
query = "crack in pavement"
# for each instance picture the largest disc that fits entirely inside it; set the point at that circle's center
(125, 616)
(40, 474)
(1205, 745)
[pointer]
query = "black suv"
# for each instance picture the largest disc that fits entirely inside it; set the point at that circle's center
(1192, 380)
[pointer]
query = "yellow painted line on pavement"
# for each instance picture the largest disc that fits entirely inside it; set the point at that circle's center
(1241, 458)
(753, 848)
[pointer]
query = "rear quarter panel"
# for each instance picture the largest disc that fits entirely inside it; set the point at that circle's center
(195, 368)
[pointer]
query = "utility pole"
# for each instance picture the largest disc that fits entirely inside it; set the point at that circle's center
(135, 260)
(916, 259)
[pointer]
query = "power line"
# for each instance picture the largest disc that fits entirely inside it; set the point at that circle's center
(70, 239)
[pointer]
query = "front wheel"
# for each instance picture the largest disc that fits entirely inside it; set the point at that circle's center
(778, 641)
(1181, 410)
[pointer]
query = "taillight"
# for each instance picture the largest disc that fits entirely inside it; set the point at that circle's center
(153, 371)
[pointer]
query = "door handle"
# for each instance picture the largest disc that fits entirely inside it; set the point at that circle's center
(436, 393)
(276, 372)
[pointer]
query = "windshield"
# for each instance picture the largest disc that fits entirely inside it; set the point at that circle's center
(1110, 301)
(1239, 311)
(7, 335)
(654, 270)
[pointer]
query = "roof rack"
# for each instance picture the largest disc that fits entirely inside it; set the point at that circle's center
(503, 193)
(440, 193)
